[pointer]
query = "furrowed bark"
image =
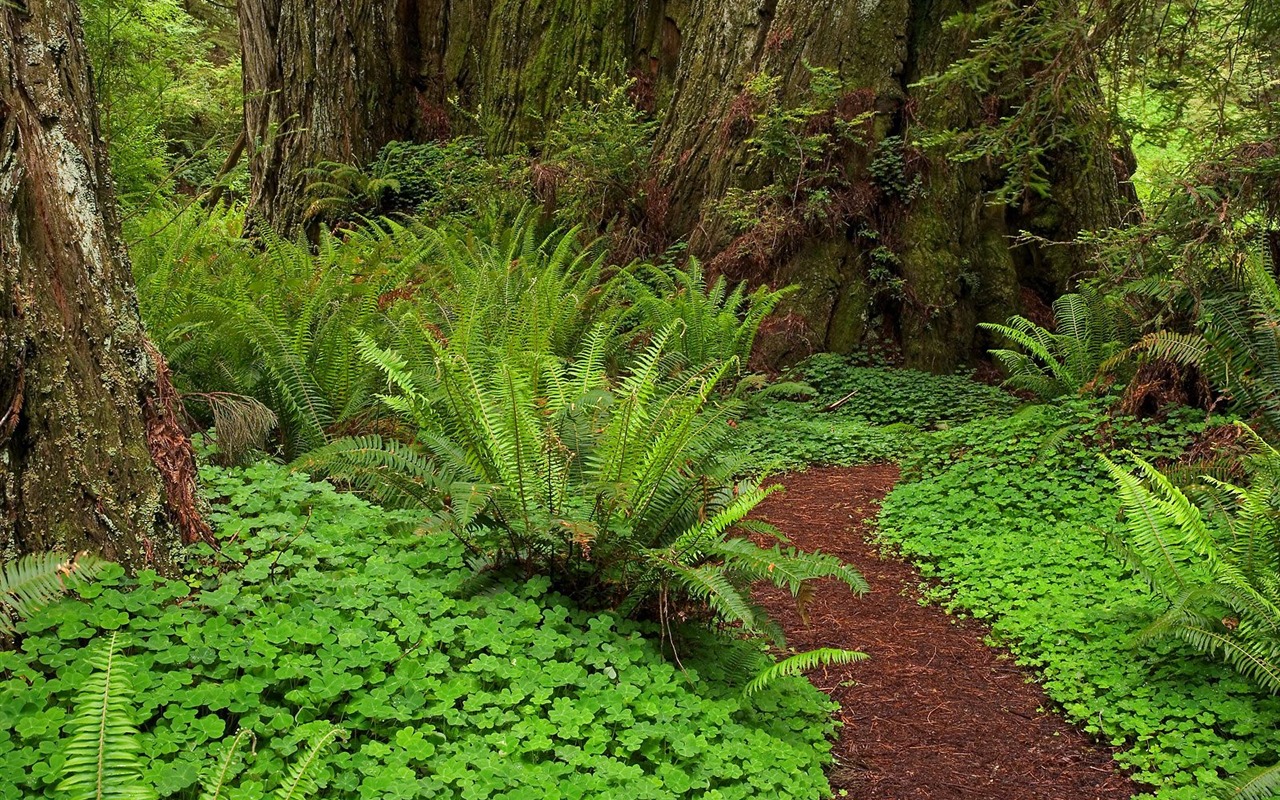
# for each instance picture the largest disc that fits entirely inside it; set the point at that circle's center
(84, 418)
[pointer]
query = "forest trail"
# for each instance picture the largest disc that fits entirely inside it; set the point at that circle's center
(935, 714)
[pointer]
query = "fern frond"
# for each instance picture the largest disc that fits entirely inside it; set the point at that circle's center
(300, 781)
(710, 584)
(801, 663)
(214, 782)
(33, 581)
(1262, 783)
(102, 751)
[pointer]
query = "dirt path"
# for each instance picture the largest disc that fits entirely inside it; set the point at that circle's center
(935, 714)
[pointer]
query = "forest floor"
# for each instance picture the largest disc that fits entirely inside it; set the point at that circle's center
(935, 713)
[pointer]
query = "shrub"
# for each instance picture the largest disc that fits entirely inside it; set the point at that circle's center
(621, 490)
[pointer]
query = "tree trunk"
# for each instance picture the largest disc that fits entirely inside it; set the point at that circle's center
(323, 81)
(91, 456)
(901, 247)
(914, 259)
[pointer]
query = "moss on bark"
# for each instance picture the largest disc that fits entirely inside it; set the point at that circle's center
(76, 372)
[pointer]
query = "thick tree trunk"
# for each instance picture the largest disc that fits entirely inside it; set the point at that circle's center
(918, 267)
(91, 456)
(323, 81)
(917, 259)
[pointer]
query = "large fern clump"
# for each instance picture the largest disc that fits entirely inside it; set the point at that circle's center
(1215, 562)
(260, 338)
(621, 489)
(1088, 334)
(561, 435)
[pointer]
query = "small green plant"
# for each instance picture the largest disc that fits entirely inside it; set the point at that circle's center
(595, 156)
(32, 581)
(801, 149)
(429, 180)
(1052, 363)
(338, 191)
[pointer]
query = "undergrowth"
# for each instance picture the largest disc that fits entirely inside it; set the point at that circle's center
(342, 612)
(839, 414)
(1007, 517)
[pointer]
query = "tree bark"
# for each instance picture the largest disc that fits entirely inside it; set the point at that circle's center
(91, 456)
(323, 81)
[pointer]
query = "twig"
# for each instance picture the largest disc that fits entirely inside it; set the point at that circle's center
(836, 405)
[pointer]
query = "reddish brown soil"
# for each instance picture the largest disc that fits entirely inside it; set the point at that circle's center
(935, 714)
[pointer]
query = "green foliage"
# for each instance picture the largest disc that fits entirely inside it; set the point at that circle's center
(1260, 783)
(1005, 514)
(801, 150)
(1238, 344)
(800, 664)
(712, 323)
(881, 419)
(1196, 75)
(101, 760)
(621, 489)
(430, 180)
(277, 326)
(1088, 335)
(340, 611)
(595, 156)
(1215, 565)
(887, 396)
(35, 580)
(166, 77)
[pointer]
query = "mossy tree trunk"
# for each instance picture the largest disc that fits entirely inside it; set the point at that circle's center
(906, 246)
(91, 456)
(915, 255)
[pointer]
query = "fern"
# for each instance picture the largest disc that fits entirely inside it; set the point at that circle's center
(214, 781)
(1088, 339)
(1237, 346)
(33, 581)
(801, 663)
(102, 753)
(1215, 564)
(715, 323)
(300, 780)
(550, 448)
(1262, 783)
